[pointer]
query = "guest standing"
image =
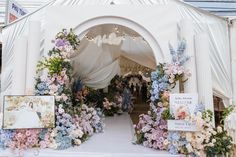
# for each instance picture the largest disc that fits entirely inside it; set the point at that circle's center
(144, 92)
(132, 88)
(137, 90)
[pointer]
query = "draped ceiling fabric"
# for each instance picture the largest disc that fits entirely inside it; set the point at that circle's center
(162, 22)
(95, 65)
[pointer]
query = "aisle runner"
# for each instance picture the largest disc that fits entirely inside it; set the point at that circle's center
(116, 141)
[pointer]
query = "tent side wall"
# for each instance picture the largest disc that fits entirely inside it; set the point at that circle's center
(233, 56)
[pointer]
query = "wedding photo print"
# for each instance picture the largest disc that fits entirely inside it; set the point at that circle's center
(21, 112)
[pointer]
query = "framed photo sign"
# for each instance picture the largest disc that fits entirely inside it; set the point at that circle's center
(182, 106)
(20, 112)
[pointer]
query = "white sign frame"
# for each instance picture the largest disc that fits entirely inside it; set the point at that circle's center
(186, 102)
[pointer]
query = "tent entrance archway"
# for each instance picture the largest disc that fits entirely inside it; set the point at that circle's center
(104, 48)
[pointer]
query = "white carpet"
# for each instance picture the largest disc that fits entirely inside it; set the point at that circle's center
(116, 141)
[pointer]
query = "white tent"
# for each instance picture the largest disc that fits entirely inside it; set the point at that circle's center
(157, 21)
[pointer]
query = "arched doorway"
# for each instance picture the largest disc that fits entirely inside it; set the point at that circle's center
(115, 50)
(108, 50)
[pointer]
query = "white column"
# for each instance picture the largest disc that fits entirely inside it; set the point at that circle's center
(204, 77)
(19, 66)
(233, 58)
(33, 55)
(187, 33)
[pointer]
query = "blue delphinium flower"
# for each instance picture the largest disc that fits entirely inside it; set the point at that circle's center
(178, 55)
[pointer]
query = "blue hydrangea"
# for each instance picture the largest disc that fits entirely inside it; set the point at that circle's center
(154, 75)
(5, 138)
(42, 133)
(173, 136)
(172, 149)
(64, 142)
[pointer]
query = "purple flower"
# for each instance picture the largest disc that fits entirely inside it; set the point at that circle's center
(60, 42)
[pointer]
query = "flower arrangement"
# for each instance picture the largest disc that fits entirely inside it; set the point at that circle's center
(151, 130)
(24, 139)
(221, 142)
(75, 123)
(111, 108)
(110, 103)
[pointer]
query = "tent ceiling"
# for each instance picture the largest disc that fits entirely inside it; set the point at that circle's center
(111, 28)
(127, 66)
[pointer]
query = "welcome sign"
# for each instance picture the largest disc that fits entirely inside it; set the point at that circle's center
(182, 106)
(181, 125)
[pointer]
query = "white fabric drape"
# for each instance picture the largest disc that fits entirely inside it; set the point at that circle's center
(33, 55)
(137, 50)
(95, 66)
(19, 71)
(219, 47)
(101, 78)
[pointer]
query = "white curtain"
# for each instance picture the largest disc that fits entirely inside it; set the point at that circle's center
(95, 66)
(219, 49)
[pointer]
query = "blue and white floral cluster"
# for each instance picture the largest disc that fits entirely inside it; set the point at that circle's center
(163, 79)
(160, 82)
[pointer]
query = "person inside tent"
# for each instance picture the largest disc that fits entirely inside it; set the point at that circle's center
(132, 88)
(144, 91)
(127, 103)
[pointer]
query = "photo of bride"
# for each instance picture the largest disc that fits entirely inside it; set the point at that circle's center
(28, 112)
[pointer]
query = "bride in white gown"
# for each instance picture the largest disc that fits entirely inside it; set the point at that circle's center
(27, 118)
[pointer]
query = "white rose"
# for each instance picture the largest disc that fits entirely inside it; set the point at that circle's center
(77, 142)
(213, 140)
(211, 144)
(189, 148)
(166, 142)
(188, 136)
(219, 129)
(61, 110)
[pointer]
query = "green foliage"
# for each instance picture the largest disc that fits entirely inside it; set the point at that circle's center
(140, 138)
(207, 113)
(227, 111)
(222, 145)
(111, 111)
(166, 115)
